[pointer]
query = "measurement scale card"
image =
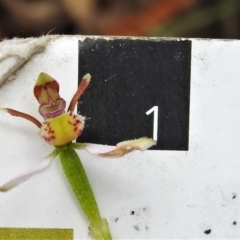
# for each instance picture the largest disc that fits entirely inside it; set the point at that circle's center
(184, 93)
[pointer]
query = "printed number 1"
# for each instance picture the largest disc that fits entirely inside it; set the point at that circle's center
(155, 121)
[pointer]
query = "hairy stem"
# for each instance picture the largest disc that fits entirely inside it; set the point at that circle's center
(80, 185)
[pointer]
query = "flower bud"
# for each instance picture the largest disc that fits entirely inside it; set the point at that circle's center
(46, 91)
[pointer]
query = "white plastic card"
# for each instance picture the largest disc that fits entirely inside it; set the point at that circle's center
(145, 195)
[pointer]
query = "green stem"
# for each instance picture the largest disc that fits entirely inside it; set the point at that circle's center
(80, 185)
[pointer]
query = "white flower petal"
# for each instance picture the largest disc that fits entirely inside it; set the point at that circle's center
(98, 148)
(121, 148)
(41, 166)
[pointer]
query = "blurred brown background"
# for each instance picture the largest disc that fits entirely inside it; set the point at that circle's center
(176, 18)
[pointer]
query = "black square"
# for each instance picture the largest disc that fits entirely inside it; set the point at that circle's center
(129, 77)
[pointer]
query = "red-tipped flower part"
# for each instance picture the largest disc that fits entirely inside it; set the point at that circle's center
(46, 91)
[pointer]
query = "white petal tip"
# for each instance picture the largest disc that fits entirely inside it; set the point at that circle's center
(87, 77)
(4, 189)
(41, 166)
(138, 144)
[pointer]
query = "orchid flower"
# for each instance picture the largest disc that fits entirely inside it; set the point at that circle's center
(60, 128)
